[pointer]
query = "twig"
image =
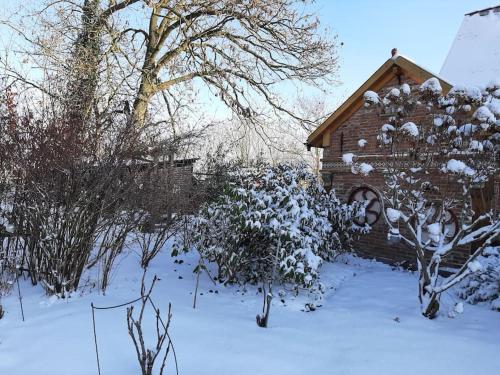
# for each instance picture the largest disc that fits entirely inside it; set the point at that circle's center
(196, 287)
(95, 339)
(20, 297)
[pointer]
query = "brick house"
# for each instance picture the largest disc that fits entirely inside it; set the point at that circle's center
(340, 132)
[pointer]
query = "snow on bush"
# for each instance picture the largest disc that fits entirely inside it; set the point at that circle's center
(362, 168)
(371, 97)
(405, 88)
(484, 115)
(410, 128)
(274, 221)
(484, 286)
(387, 128)
(10, 259)
(348, 158)
(431, 85)
(393, 215)
(459, 167)
(494, 106)
(357, 168)
(394, 92)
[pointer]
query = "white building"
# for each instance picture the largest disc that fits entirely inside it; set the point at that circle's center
(474, 57)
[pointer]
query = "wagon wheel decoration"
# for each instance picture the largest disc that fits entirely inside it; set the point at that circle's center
(447, 217)
(372, 207)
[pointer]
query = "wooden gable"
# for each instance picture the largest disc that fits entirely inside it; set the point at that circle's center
(394, 66)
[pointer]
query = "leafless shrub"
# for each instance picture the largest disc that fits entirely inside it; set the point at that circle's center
(147, 356)
(151, 242)
(64, 197)
(8, 270)
(112, 243)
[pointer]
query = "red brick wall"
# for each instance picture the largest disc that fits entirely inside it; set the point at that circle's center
(365, 124)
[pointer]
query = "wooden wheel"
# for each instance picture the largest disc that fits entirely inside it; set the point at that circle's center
(449, 219)
(372, 207)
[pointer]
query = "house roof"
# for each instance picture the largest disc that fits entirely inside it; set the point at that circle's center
(484, 11)
(321, 136)
(474, 56)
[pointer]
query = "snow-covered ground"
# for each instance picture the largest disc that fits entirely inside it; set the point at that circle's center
(369, 324)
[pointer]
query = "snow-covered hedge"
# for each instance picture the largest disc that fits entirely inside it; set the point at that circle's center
(274, 223)
(484, 285)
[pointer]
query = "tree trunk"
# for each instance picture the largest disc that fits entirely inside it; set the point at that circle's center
(431, 307)
(140, 108)
(145, 91)
(84, 65)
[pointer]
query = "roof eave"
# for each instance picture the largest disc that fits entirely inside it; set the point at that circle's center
(315, 139)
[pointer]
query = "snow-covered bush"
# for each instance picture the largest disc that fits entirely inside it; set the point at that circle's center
(484, 286)
(435, 163)
(274, 223)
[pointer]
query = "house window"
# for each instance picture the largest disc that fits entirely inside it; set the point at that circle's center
(372, 208)
(327, 178)
(482, 197)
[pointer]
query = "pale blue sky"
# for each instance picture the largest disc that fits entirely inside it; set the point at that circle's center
(422, 30)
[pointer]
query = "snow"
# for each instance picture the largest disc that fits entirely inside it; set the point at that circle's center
(432, 85)
(495, 304)
(471, 92)
(359, 168)
(476, 146)
(467, 129)
(371, 97)
(369, 323)
(494, 106)
(347, 158)
(405, 88)
(458, 166)
(475, 266)
(387, 128)
(474, 57)
(362, 143)
(365, 169)
(394, 92)
(434, 231)
(438, 121)
(484, 114)
(459, 308)
(393, 215)
(411, 129)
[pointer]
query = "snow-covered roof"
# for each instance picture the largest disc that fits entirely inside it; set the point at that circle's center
(474, 57)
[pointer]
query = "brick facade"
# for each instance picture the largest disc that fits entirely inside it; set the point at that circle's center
(365, 123)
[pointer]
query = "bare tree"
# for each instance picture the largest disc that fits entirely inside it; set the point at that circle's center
(433, 165)
(240, 50)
